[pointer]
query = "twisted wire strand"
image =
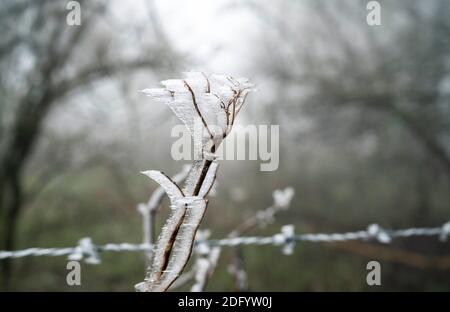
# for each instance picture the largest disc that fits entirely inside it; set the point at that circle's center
(87, 249)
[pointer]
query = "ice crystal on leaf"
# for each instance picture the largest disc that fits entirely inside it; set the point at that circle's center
(172, 190)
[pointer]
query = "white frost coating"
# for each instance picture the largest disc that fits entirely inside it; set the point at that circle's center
(204, 267)
(286, 238)
(156, 198)
(210, 103)
(212, 98)
(165, 241)
(175, 85)
(182, 246)
(198, 81)
(282, 198)
(157, 94)
(194, 214)
(172, 190)
(201, 271)
(209, 179)
(206, 260)
(149, 209)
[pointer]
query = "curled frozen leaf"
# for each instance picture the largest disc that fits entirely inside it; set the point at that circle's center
(211, 100)
(171, 188)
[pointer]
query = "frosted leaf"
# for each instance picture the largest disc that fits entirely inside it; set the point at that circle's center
(158, 194)
(182, 246)
(185, 238)
(172, 190)
(165, 242)
(175, 85)
(212, 98)
(209, 179)
(213, 114)
(198, 81)
(282, 198)
(193, 177)
(179, 102)
(158, 94)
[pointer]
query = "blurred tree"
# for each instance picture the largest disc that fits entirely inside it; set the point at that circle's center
(325, 55)
(384, 89)
(42, 60)
(372, 102)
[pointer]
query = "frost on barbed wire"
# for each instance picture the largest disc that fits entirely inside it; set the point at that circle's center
(210, 103)
(208, 256)
(157, 196)
(281, 201)
(86, 248)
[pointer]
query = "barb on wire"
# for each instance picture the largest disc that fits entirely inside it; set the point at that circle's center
(85, 251)
(281, 202)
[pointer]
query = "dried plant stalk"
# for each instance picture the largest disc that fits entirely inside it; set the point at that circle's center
(213, 102)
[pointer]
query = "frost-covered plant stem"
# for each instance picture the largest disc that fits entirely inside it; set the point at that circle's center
(150, 209)
(215, 100)
(175, 243)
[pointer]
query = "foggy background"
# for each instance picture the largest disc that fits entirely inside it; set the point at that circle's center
(364, 119)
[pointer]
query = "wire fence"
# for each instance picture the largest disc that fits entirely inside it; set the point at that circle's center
(87, 251)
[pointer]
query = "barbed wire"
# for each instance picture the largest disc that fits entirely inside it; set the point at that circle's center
(87, 251)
